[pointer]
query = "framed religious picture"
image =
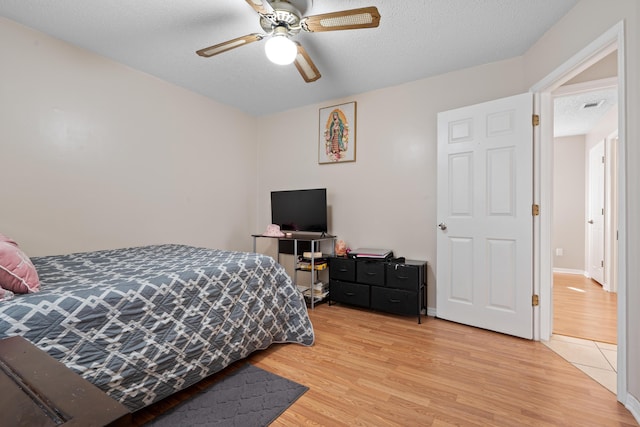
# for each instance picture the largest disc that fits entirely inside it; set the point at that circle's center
(337, 136)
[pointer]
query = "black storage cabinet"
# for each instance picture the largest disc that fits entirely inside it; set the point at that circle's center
(393, 287)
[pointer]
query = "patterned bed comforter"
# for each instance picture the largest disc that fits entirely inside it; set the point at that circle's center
(143, 323)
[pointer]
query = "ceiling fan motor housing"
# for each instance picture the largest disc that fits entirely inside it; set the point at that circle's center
(285, 14)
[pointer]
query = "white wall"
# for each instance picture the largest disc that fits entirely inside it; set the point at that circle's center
(583, 24)
(605, 68)
(569, 203)
(603, 129)
(95, 155)
(387, 197)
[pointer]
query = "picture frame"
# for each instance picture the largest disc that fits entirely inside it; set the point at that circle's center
(337, 134)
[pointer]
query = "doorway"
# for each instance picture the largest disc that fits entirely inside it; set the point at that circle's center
(612, 40)
(584, 202)
(585, 312)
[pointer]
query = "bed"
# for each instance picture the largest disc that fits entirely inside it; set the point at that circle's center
(142, 323)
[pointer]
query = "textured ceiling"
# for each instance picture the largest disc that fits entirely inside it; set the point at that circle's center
(415, 39)
(572, 118)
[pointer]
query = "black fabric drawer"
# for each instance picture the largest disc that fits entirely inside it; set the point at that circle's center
(403, 276)
(395, 301)
(349, 293)
(342, 269)
(370, 272)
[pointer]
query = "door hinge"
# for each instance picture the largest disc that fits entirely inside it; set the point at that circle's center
(535, 209)
(535, 120)
(602, 263)
(535, 300)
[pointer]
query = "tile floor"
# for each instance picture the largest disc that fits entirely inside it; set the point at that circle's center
(596, 359)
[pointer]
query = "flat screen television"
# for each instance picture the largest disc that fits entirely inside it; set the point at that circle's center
(300, 210)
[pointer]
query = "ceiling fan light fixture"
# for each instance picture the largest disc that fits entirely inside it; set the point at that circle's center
(280, 49)
(281, 21)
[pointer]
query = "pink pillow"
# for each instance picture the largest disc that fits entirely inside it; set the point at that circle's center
(17, 273)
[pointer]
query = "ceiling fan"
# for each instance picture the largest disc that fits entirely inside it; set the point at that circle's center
(281, 20)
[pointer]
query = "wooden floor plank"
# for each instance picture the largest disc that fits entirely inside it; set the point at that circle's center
(583, 309)
(373, 369)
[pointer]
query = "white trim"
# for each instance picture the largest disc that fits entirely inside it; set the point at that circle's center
(622, 220)
(611, 213)
(633, 406)
(570, 271)
(590, 86)
(611, 40)
(594, 52)
(543, 224)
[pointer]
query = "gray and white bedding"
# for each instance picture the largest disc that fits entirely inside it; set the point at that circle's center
(143, 323)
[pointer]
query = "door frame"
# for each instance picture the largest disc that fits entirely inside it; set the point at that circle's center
(611, 206)
(592, 177)
(608, 42)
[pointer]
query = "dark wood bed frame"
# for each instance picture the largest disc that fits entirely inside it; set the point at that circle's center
(40, 391)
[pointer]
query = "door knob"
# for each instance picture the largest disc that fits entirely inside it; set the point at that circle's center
(590, 221)
(442, 226)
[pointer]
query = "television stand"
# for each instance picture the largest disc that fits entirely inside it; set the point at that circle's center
(313, 264)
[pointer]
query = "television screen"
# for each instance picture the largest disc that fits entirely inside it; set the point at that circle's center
(300, 210)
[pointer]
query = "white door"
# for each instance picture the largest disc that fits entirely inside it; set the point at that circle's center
(484, 203)
(595, 221)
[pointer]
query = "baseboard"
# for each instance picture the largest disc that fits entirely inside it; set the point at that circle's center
(431, 312)
(633, 406)
(570, 271)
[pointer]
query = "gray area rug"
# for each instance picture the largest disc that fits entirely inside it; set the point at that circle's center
(248, 397)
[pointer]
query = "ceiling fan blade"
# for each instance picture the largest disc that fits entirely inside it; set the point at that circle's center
(365, 17)
(230, 44)
(261, 6)
(305, 65)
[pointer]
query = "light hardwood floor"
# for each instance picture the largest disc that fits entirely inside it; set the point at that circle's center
(372, 369)
(583, 309)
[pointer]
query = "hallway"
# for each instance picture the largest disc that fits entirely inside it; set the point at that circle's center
(585, 324)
